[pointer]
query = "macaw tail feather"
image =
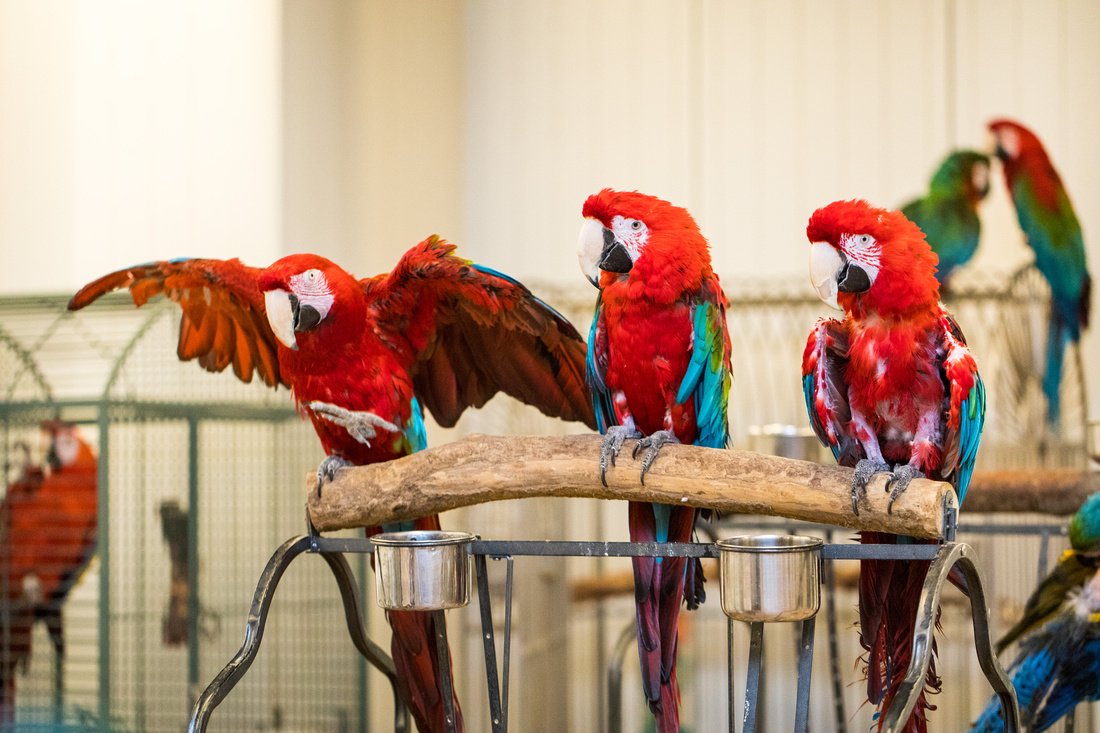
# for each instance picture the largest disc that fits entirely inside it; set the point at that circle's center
(415, 658)
(659, 589)
(1058, 336)
(7, 694)
(889, 596)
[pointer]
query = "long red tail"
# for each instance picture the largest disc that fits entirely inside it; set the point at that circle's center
(889, 596)
(658, 593)
(414, 655)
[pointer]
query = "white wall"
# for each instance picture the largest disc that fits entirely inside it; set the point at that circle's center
(134, 131)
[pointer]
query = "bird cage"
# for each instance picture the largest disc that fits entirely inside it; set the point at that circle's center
(199, 476)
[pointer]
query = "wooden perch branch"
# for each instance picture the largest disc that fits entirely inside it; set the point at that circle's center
(1058, 492)
(484, 468)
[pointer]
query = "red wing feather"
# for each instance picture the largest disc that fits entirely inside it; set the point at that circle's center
(472, 332)
(223, 319)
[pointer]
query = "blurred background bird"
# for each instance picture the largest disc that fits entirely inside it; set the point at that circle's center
(1052, 230)
(48, 520)
(948, 213)
(1058, 665)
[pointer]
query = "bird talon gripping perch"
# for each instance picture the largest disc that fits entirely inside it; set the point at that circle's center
(898, 482)
(613, 445)
(865, 471)
(652, 444)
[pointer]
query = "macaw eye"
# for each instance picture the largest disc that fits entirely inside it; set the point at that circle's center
(863, 239)
(311, 275)
(635, 225)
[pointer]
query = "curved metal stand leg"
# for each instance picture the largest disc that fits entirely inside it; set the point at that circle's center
(253, 633)
(948, 556)
(370, 651)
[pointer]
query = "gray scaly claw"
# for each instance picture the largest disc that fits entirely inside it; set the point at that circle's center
(359, 423)
(328, 469)
(612, 444)
(899, 482)
(652, 444)
(865, 471)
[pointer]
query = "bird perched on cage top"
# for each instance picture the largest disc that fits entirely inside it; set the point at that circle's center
(1075, 568)
(48, 521)
(1051, 228)
(362, 356)
(659, 370)
(948, 213)
(890, 388)
(1058, 665)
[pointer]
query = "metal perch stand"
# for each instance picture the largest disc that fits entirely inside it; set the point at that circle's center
(569, 462)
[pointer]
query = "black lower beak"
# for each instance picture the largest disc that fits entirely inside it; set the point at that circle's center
(305, 318)
(616, 259)
(852, 279)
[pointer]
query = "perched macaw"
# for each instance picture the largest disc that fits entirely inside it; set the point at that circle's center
(659, 370)
(362, 356)
(948, 214)
(1058, 665)
(891, 388)
(1051, 228)
(1075, 568)
(49, 532)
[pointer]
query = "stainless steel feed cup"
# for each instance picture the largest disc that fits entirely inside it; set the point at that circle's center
(422, 571)
(770, 577)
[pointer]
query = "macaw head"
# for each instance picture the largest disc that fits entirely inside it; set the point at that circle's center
(1011, 140)
(303, 293)
(65, 446)
(629, 236)
(864, 259)
(963, 173)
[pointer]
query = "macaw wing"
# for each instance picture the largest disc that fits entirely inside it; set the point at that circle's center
(471, 332)
(596, 371)
(966, 407)
(708, 375)
(224, 321)
(826, 393)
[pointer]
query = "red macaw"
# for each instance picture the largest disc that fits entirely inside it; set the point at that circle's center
(1050, 225)
(659, 370)
(362, 355)
(49, 532)
(892, 385)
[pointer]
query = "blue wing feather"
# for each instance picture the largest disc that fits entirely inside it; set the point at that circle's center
(707, 378)
(601, 395)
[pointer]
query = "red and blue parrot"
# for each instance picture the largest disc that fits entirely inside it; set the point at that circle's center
(948, 213)
(362, 356)
(1057, 667)
(659, 370)
(1051, 228)
(890, 388)
(48, 520)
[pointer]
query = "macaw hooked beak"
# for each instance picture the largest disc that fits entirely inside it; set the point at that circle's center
(590, 250)
(282, 315)
(825, 262)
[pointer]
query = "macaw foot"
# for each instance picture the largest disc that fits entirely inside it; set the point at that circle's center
(899, 480)
(327, 470)
(360, 425)
(652, 444)
(865, 471)
(612, 444)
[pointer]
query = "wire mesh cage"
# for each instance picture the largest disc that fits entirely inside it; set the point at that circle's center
(200, 478)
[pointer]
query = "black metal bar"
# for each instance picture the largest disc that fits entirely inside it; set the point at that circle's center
(905, 699)
(507, 643)
(752, 682)
(805, 669)
(615, 678)
(731, 666)
(370, 651)
(840, 717)
(493, 683)
(253, 633)
(443, 653)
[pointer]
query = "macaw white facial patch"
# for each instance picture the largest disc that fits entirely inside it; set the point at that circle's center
(864, 250)
(632, 234)
(312, 289)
